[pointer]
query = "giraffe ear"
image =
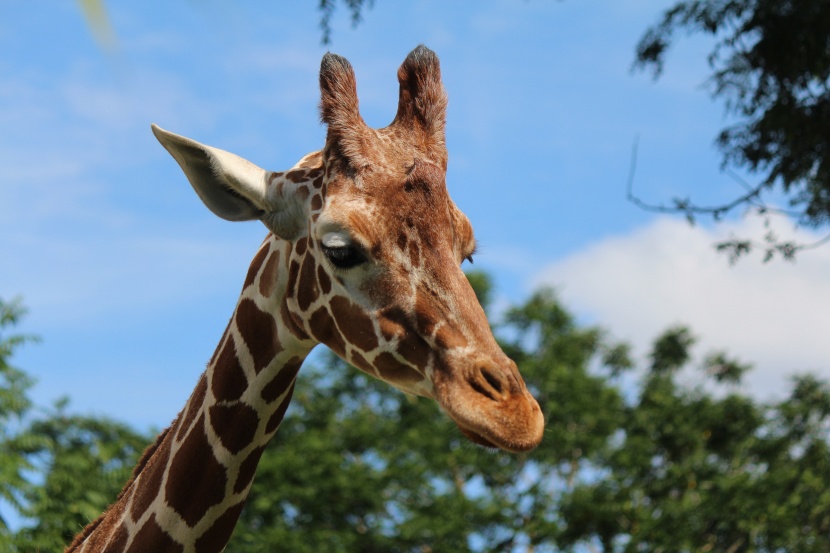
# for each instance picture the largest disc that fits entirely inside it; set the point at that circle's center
(339, 109)
(232, 187)
(422, 101)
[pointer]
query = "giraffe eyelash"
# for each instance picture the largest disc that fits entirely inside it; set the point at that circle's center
(469, 256)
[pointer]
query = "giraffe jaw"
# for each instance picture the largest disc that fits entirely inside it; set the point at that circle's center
(513, 424)
(477, 438)
(510, 444)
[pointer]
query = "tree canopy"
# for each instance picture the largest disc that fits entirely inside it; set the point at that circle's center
(57, 470)
(632, 460)
(770, 67)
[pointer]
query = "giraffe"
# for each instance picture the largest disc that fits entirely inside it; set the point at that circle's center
(364, 255)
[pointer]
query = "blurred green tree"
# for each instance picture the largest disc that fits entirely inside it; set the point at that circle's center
(692, 470)
(632, 459)
(57, 471)
(14, 407)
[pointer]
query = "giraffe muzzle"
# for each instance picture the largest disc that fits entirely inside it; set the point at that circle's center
(491, 406)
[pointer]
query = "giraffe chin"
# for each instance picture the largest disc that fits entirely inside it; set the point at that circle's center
(492, 411)
(478, 438)
(511, 444)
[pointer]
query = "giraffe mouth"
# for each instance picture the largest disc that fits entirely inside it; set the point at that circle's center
(513, 446)
(477, 438)
(512, 422)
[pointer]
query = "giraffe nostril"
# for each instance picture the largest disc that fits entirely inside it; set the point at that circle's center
(492, 380)
(487, 383)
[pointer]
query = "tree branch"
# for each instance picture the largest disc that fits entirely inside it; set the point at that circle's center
(734, 247)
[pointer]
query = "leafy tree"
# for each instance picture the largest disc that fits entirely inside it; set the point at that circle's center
(81, 463)
(690, 471)
(771, 66)
(14, 406)
(57, 471)
(645, 465)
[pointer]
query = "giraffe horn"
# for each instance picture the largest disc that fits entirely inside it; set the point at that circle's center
(339, 109)
(422, 101)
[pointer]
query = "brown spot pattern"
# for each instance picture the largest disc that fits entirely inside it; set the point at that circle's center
(307, 292)
(424, 315)
(247, 469)
(296, 176)
(324, 280)
(300, 245)
(215, 538)
(393, 370)
(150, 480)
(393, 322)
(281, 381)
(196, 481)
(193, 407)
(360, 362)
(228, 380)
(449, 337)
(278, 415)
(316, 202)
(119, 538)
(268, 278)
(253, 270)
(355, 325)
(234, 424)
(218, 348)
(292, 325)
(152, 538)
(293, 275)
(414, 349)
(324, 329)
(259, 330)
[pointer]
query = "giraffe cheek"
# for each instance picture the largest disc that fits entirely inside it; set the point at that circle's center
(325, 331)
(307, 289)
(414, 349)
(357, 326)
(396, 373)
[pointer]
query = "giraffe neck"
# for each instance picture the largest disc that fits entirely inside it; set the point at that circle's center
(189, 488)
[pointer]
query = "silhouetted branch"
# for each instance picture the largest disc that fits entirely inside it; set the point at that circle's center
(685, 205)
(734, 247)
(327, 8)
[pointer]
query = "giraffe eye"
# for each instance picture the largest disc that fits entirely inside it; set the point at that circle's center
(341, 253)
(344, 257)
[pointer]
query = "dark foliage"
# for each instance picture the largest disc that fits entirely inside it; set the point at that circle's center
(771, 68)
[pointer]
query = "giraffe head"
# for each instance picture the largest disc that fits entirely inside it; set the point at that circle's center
(374, 247)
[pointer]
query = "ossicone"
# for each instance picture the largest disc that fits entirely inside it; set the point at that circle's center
(339, 108)
(422, 101)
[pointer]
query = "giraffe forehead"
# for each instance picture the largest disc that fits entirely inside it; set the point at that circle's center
(373, 202)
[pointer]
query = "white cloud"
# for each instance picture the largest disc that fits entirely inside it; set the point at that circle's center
(774, 315)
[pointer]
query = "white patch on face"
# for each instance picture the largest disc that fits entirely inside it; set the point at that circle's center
(335, 240)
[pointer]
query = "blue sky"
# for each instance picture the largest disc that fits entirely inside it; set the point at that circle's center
(130, 280)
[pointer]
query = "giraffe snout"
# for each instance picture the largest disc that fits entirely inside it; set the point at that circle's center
(491, 405)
